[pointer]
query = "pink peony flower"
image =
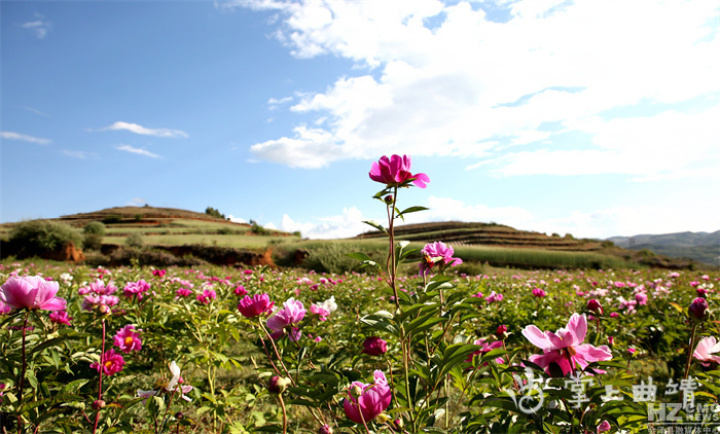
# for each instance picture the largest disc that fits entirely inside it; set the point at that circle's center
(603, 427)
(641, 298)
(537, 292)
(60, 317)
(437, 253)
(493, 297)
(110, 363)
(564, 348)
(705, 349)
(184, 292)
(374, 346)
(240, 291)
(291, 314)
(257, 305)
(31, 292)
(4, 308)
(136, 289)
(102, 303)
(395, 172)
(206, 296)
(127, 340)
(324, 309)
(159, 273)
(367, 401)
(486, 348)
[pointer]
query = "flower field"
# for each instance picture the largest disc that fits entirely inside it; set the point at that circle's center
(226, 350)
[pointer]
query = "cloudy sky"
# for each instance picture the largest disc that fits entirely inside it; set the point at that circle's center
(595, 118)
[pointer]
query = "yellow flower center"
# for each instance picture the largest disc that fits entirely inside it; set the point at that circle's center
(128, 340)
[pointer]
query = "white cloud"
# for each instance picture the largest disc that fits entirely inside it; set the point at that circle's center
(82, 155)
(236, 219)
(467, 82)
(139, 129)
(39, 27)
(346, 225)
(9, 135)
(139, 151)
(136, 201)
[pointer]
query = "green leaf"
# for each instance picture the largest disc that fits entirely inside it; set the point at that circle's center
(360, 256)
(413, 209)
(376, 226)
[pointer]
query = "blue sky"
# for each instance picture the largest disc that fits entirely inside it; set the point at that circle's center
(591, 118)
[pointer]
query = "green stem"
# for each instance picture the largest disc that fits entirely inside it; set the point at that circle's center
(21, 382)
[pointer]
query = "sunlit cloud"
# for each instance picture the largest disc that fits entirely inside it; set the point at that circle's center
(139, 129)
(467, 82)
(139, 151)
(9, 135)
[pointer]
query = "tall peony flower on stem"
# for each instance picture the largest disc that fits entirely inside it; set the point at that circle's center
(564, 348)
(32, 293)
(258, 304)
(374, 346)
(367, 401)
(290, 315)
(395, 172)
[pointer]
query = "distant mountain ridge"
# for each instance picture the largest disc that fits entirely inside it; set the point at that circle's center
(701, 246)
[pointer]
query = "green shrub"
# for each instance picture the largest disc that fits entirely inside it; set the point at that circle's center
(112, 218)
(214, 212)
(93, 233)
(37, 237)
(332, 257)
(134, 240)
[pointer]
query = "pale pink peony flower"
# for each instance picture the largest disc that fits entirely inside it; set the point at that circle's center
(705, 349)
(324, 309)
(291, 314)
(127, 339)
(31, 292)
(564, 348)
(367, 401)
(395, 172)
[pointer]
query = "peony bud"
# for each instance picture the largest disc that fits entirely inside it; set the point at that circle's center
(325, 429)
(501, 332)
(277, 385)
(356, 391)
(374, 346)
(389, 199)
(698, 309)
(99, 404)
(594, 305)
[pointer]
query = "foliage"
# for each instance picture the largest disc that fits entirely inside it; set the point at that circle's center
(38, 237)
(214, 212)
(134, 240)
(93, 234)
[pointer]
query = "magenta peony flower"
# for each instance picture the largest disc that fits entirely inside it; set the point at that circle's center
(206, 296)
(486, 348)
(366, 401)
(374, 346)
(110, 363)
(291, 314)
(240, 291)
(257, 305)
(705, 350)
(127, 340)
(395, 172)
(31, 292)
(564, 348)
(538, 292)
(159, 273)
(603, 427)
(183, 292)
(136, 289)
(60, 317)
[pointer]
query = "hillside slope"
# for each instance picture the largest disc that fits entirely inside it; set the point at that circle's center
(701, 246)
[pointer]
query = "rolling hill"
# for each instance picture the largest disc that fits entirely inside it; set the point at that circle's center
(701, 246)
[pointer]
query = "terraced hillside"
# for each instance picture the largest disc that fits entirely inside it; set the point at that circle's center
(475, 234)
